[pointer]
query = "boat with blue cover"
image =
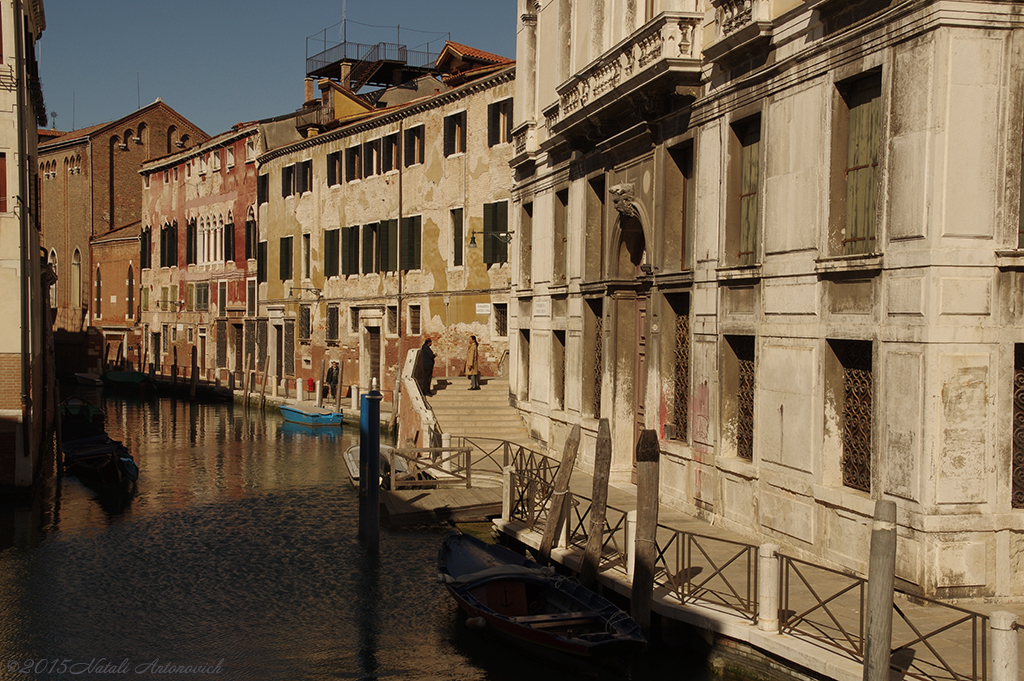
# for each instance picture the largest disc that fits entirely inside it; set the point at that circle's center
(309, 415)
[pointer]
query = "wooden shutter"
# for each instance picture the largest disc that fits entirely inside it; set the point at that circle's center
(286, 258)
(369, 248)
(862, 164)
(411, 243)
(349, 250)
(229, 242)
(488, 241)
(289, 347)
(749, 157)
(332, 173)
(331, 253)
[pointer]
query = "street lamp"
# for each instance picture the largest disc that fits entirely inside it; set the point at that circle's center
(504, 237)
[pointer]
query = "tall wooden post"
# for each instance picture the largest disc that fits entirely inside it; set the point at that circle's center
(321, 383)
(648, 455)
(598, 505)
(369, 469)
(194, 378)
(246, 380)
(881, 582)
(263, 389)
(556, 506)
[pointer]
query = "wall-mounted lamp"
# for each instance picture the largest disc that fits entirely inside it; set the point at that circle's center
(647, 268)
(293, 289)
(504, 237)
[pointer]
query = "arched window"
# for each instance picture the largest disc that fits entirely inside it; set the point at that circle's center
(131, 293)
(129, 137)
(99, 294)
(172, 139)
(76, 280)
(142, 136)
(53, 286)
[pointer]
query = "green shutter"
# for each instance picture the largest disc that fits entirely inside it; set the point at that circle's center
(350, 250)
(331, 253)
(369, 248)
(749, 158)
(862, 164)
(486, 238)
(501, 225)
(411, 243)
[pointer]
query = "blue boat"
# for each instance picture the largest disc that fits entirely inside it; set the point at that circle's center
(310, 416)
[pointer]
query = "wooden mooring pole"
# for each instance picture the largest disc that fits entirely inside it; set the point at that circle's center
(598, 505)
(557, 507)
(263, 389)
(369, 468)
(194, 377)
(648, 455)
(881, 583)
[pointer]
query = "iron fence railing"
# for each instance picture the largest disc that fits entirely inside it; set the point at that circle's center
(816, 603)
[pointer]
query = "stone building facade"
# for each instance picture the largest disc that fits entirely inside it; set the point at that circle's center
(91, 202)
(197, 254)
(388, 227)
(27, 397)
(785, 235)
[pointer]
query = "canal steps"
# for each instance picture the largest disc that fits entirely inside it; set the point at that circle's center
(479, 413)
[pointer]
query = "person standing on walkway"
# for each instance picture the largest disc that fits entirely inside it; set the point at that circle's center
(427, 359)
(332, 379)
(473, 365)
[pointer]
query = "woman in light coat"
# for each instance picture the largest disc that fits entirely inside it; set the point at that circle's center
(473, 365)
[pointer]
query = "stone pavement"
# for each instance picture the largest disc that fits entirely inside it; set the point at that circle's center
(706, 577)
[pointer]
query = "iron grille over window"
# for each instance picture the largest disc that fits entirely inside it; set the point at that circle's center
(598, 356)
(289, 347)
(855, 357)
(332, 322)
(500, 320)
(414, 320)
(681, 403)
(743, 346)
(222, 343)
(392, 319)
(305, 322)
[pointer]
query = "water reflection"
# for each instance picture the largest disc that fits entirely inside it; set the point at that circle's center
(239, 548)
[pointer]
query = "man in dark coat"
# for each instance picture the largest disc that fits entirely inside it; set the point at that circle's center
(332, 379)
(427, 358)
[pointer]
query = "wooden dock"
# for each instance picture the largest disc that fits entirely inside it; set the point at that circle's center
(418, 506)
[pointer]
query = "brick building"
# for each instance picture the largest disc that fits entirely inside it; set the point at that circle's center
(197, 263)
(27, 396)
(91, 207)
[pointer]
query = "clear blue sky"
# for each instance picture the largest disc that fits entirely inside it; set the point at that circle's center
(220, 62)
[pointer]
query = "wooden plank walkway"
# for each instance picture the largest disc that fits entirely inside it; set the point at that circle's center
(417, 506)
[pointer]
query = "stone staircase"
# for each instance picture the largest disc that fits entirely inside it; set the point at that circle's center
(482, 413)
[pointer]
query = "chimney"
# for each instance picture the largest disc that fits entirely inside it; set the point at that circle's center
(346, 75)
(309, 91)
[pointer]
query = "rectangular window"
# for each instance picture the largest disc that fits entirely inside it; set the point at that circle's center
(353, 163)
(1017, 473)
(288, 180)
(349, 250)
(334, 169)
(389, 153)
(190, 297)
(745, 174)
(332, 322)
(392, 319)
(558, 369)
(414, 320)
(677, 427)
(285, 263)
(371, 158)
(369, 248)
(216, 160)
(305, 322)
(353, 317)
(414, 146)
(261, 262)
(411, 230)
(331, 252)
(851, 386)
(495, 232)
(262, 185)
(863, 101)
(458, 238)
(306, 249)
(455, 134)
(250, 239)
(202, 299)
(500, 319)
(230, 157)
(680, 193)
(222, 298)
(144, 299)
(250, 150)
(304, 177)
(250, 297)
(499, 123)
(738, 384)
(387, 240)
(526, 245)
(561, 229)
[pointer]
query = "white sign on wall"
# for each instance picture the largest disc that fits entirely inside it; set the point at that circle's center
(483, 308)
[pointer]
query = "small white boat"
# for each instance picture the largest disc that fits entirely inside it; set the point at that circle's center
(352, 462)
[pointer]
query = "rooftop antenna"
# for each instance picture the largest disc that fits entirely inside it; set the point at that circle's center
(344, 21)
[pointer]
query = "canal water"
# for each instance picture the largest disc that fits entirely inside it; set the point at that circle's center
(237, 556)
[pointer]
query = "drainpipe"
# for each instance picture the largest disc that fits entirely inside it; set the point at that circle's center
(23, 217)
(398, 314)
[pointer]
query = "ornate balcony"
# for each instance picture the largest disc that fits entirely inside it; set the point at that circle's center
(650, 65)
(742, 27)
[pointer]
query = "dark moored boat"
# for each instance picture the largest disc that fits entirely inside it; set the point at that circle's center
(128, 382)
(89, 453)
(517, 599)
